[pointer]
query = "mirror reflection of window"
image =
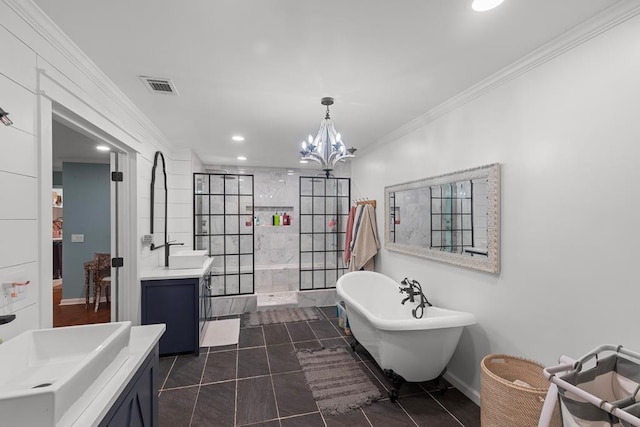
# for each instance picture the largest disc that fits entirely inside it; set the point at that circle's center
(452, 216)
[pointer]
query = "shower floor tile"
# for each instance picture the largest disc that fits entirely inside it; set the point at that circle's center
(274, 300)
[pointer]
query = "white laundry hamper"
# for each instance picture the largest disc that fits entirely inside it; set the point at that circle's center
(604, 395)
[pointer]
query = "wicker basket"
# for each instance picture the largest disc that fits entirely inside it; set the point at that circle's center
(506, 404)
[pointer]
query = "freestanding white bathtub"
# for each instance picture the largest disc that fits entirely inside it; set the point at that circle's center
(415, 349)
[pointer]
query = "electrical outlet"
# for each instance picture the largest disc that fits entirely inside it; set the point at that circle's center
(77, 238)
(14, 287)
(147, 240)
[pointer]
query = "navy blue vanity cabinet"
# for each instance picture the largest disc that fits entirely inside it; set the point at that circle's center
(176, 303)
(137, 405)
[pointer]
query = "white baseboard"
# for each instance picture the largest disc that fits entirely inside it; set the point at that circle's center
(472, 394)
(75, 301)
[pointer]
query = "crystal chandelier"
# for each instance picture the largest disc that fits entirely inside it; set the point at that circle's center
(327, 148)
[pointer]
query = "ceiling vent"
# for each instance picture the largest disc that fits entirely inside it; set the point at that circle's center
(159, 85)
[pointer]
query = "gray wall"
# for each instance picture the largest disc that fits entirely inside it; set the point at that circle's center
(57, 179)
(86, 211)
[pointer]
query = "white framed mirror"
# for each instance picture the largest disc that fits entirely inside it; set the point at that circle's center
(452, 218)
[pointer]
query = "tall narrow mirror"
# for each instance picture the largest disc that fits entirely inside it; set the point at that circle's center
(453, 218)
(158, 201)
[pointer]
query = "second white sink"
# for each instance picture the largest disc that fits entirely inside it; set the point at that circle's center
(187, 259)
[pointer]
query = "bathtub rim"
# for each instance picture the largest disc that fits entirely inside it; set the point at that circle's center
(445, 318)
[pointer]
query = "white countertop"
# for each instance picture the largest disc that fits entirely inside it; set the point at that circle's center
(161, 272)
(143, 340)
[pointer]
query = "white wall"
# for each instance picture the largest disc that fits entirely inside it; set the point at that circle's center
(39, 66)
(18, 185)
(567, 134)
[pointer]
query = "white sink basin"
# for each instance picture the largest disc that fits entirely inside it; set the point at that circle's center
(187, 259)
(48, 376)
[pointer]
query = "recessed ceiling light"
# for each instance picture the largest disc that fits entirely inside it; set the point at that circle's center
(304, 161)
(102, 148)
(484, 5)
(237, 138)
(242, 158)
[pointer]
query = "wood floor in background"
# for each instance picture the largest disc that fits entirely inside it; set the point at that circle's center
(68, 315)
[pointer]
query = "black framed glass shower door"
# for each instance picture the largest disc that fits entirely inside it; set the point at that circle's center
(324, 209)
(223, 225)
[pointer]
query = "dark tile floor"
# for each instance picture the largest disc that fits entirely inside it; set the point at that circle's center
(259, 382)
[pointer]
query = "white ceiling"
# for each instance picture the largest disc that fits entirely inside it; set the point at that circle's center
(260, 67)
(70, 145)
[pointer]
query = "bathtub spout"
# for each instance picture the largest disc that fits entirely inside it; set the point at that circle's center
(410, 289)
(411, 295)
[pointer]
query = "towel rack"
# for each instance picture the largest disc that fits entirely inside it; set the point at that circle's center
(365, 202)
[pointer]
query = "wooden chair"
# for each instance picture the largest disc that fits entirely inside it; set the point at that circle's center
(101, 276)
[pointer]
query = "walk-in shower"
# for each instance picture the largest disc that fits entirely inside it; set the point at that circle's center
(272, 234)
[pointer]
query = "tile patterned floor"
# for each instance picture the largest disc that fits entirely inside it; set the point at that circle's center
(259, 382)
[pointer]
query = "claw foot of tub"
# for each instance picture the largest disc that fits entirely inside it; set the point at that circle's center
(396, 381)
(440, 383)
(354, 345)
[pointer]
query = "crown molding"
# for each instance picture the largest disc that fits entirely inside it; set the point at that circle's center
(610, 17)
(54, 36)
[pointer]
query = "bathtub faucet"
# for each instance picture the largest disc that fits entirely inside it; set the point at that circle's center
(410, 292)
(410, 289)
(413, 289)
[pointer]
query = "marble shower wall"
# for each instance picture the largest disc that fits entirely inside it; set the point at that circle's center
(276, 248)
(276, 191)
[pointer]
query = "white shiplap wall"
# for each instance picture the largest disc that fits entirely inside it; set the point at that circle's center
(36, 55)
(18, 185)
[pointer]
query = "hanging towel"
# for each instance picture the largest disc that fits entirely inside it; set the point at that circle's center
(356, 224)
(366, 243)
(349, 235)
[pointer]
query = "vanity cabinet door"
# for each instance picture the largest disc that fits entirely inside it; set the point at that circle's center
(174, 302)
(137, 406)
